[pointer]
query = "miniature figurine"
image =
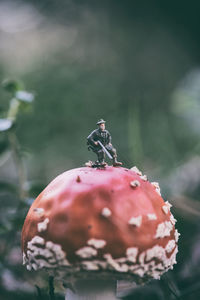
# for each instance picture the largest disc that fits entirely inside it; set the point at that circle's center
(99, 141)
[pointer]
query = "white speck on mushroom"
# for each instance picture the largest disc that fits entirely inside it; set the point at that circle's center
(157, 187)
(116, 266)
(169, 205)
(131, 254)
(159, 266)
(123, 268)
(42, 226)
(94, 264)
(133, 267)
(96, 243)
(156, 252)
(142, 257)
(135, 221)
(155, 184)
(111, 261)
(36, 240)
(25, 260)
(144, 177)
(121, 259)
(171, 260)
(134, 183)
(86, 252)
(49, 245)
(165, 209)
(34, 266)
(140, 272)
(170, 246)
(39, 211)
(90, 265)
(145, 263)
(135, 169)
(177, 234)
(148, 262)
(158, 191)
(163, 229)
(55, 248)
(106, 212)
(51, 255)
(151, 216)
(172, 219)
(156, 275)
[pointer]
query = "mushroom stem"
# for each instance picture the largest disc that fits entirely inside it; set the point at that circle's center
(92, 289)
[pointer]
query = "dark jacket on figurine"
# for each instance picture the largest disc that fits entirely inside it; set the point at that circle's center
(99, 135)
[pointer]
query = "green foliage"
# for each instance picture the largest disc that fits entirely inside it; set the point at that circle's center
(5, 124)
(15, 199)
(20, 102)
(12, 85)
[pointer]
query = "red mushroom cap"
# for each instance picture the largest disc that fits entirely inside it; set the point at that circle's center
(111, 220)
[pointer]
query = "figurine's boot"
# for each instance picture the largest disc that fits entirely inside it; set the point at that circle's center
(115, 162)
(103, 163)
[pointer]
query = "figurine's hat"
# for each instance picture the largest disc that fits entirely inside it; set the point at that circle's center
(101, 121)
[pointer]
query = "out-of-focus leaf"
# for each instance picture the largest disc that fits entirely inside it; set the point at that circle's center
(14, 108)
(12, 85)
(5, 124)
(24, 96)
(20, 105)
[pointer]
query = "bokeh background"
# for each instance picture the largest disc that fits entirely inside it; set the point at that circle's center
(137, 65)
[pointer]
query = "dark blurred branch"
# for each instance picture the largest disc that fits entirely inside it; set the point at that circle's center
(19, 164)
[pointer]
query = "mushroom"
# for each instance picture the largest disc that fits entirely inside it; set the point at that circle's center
(90, 227)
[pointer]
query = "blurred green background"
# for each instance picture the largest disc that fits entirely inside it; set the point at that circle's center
(134, 63)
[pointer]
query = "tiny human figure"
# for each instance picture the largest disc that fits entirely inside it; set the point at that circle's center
(99, 141)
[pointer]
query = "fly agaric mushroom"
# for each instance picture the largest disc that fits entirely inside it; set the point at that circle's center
(97, 224)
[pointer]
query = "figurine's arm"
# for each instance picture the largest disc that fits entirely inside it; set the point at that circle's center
(109, 138)
(91, 137)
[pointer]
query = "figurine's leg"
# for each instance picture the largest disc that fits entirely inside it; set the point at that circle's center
(113, 152)
(101, 157)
